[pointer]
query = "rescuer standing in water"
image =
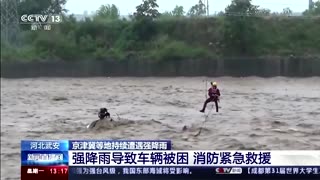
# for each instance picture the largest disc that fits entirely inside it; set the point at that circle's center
(214, 94)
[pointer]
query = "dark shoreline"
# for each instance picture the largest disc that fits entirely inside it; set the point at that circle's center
(262, 67)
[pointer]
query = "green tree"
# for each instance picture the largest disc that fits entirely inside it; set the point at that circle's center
(239, 30)
(69, 22)
(178, 11)
(263, 12)
(221, 13)
(108, 12)
(144, 27)
(314, 11)
(147, 9)
(286, 12)
(166, 14)
(198, 9)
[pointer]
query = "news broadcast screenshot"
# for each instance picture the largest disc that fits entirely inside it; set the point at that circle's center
(160, 89)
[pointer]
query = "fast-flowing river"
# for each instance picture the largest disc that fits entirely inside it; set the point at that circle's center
(256, 113)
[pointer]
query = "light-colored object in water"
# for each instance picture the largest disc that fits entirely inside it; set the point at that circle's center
(100, 123)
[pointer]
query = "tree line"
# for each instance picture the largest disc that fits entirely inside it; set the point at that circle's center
(242, 30)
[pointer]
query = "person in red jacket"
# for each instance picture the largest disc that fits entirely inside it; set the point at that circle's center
(214, 94)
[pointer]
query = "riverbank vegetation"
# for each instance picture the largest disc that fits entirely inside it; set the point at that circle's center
(242, 30)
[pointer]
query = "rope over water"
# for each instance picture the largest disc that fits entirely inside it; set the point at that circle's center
(205, 119)
(206, 116)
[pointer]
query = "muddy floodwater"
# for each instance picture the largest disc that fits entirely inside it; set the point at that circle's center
(256, 113)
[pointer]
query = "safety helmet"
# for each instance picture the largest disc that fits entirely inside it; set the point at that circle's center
(213, 83)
